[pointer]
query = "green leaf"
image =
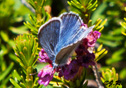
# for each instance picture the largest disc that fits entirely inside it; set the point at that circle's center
(4, 82)
(36, 81)
(19, 30)
(122, 74)
(116, 56)
(13, 57)
(83, 78)
(40, 86)
(98, 13)
(100, 47)
(15, 84)
(11, 43)
(112, 38)
(100, 53)
(83, 8)
(90, 7)
(6, 72)
(22, 85)
(4, 36)
(48, 86)
(16, 75)
(110, 78)
(108, 43)
(40, 66)
(3, 50)
(55, 80)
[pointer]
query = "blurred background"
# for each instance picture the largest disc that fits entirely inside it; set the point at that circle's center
(13, 13)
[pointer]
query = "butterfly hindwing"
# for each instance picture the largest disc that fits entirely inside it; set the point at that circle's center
(63, 55)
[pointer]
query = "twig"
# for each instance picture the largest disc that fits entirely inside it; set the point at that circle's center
(65, 5)
(28, 5)
(97, 76)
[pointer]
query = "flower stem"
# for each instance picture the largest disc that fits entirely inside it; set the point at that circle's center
(97, 76)
(29, 78)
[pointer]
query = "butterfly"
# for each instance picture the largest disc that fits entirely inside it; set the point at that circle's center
(61, 35)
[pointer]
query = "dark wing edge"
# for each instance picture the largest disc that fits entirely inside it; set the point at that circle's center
(48, 36)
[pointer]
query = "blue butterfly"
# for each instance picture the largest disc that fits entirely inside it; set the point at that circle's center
(61, 35)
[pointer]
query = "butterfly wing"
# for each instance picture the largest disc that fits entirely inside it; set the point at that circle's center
(48, 36)
(71, 34)
(71, 24)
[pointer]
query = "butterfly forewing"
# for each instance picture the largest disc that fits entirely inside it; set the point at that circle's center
(71, 24)
(49, 36)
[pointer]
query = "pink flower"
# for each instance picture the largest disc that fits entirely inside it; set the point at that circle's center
(46, 75)
(43, 57)
(61, 70)
(69, 71)
(84, 57)
(85, 25)
(92, 38)
(86, 60)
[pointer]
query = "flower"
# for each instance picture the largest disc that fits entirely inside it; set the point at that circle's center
(86, 60)
(92, 38)
(84, 57)
(46, 75)
(61, 70)
(85, 25)
(44, 57)
(69, 70)
(82, 48)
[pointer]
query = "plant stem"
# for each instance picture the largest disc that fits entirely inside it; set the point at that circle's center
(27, 5)
(97, 76)
(29, 78)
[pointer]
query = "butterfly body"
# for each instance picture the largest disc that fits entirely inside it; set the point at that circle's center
(61, 35)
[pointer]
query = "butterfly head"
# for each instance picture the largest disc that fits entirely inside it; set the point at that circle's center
(54, 65)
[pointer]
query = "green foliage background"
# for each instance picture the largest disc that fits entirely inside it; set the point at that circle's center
(13, 13)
